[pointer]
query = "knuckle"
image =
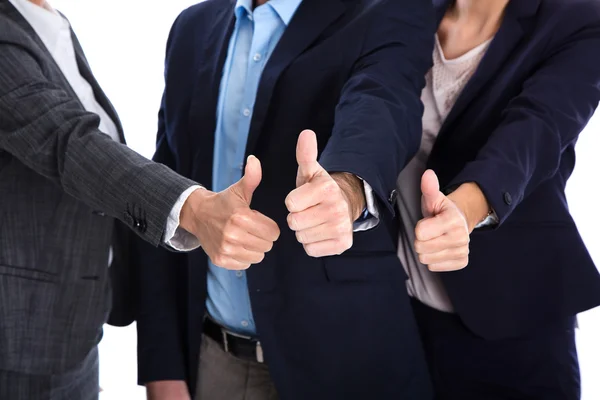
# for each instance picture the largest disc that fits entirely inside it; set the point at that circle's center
(237, 218)
(329, 186)
(269, 247)
(290, 203)
(434, 268)
(457, 220)
(464, 241)
(292, 221)
(345, 243)
(229, 236)
(301, 237)
(259, 258)
(420, 232)
(465, 252)
(225, 249)
(311, 251)
(220, 260)
(418, 245)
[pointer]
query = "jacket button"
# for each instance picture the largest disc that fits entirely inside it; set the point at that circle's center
(98, 213)
(507, 198)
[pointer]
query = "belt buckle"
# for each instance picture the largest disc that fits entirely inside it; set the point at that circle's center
(225, 340)
(259, 353)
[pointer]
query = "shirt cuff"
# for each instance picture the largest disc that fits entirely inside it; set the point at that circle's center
(490, 220)
(175, 236)
(371, 219)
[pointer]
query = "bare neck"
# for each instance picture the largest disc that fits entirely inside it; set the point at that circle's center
(42, 3)
(478, 12)
(259, 2)
(469, 23)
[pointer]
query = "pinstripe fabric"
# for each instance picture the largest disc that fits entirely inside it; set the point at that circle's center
(81, 383)
(62, 183)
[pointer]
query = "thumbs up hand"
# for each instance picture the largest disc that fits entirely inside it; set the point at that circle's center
(323, 207)
(442, 236)
(232, 235)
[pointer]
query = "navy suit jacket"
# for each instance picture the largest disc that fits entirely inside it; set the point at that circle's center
(352, 71)
(513, 131)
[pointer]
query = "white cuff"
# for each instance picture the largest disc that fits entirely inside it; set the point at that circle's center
(490, 220)
(373, 219)
(175, 236)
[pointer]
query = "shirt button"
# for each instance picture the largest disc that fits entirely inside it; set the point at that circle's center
(257, 57)
(245, 324)
(246, 112)
(239, 274)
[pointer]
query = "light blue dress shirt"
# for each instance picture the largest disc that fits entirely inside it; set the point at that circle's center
(253, 40)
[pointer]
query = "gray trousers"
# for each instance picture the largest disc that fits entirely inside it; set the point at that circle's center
(222, 376)
(80, 383)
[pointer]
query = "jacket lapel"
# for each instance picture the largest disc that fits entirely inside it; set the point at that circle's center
(11, 12)
(507, 38)
(310, 20)
(205, 98)
(86, 73)
(7, 9)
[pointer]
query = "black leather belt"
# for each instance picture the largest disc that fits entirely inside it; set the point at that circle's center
(242, 347)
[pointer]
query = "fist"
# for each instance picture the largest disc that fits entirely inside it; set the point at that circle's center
(321, 212)
(232, 234)
(442, 236)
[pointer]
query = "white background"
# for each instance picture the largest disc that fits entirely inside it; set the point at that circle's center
(125, 42)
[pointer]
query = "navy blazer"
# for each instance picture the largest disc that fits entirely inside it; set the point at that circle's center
(513, 131)
(353, 71)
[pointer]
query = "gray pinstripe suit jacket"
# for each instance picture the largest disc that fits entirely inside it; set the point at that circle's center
(63, 184)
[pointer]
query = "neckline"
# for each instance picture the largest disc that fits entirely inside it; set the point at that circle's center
(465, 57)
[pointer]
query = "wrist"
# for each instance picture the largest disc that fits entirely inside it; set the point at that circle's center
(352, 188)
(471, 201)
(191, 209)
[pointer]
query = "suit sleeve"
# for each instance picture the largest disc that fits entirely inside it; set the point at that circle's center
(161, 352)
(554, 106)
(46, 128)
(377, 126)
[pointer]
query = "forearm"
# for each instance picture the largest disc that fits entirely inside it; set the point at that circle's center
(472, 202)
(353, 189)
(377, 127)
(45, 127)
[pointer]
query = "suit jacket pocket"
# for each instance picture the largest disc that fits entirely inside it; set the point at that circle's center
(48, 325)
(28, 273)
(27, 299)
(364, 267)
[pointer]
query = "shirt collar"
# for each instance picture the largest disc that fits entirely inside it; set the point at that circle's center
(284, 8)
(48, 24)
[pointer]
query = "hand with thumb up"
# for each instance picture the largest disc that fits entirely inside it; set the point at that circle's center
(232, 235)
(442, 236)
(323, 207)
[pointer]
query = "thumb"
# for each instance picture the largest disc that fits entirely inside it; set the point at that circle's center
(306, 155)
(251, 179)
(432, 199)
